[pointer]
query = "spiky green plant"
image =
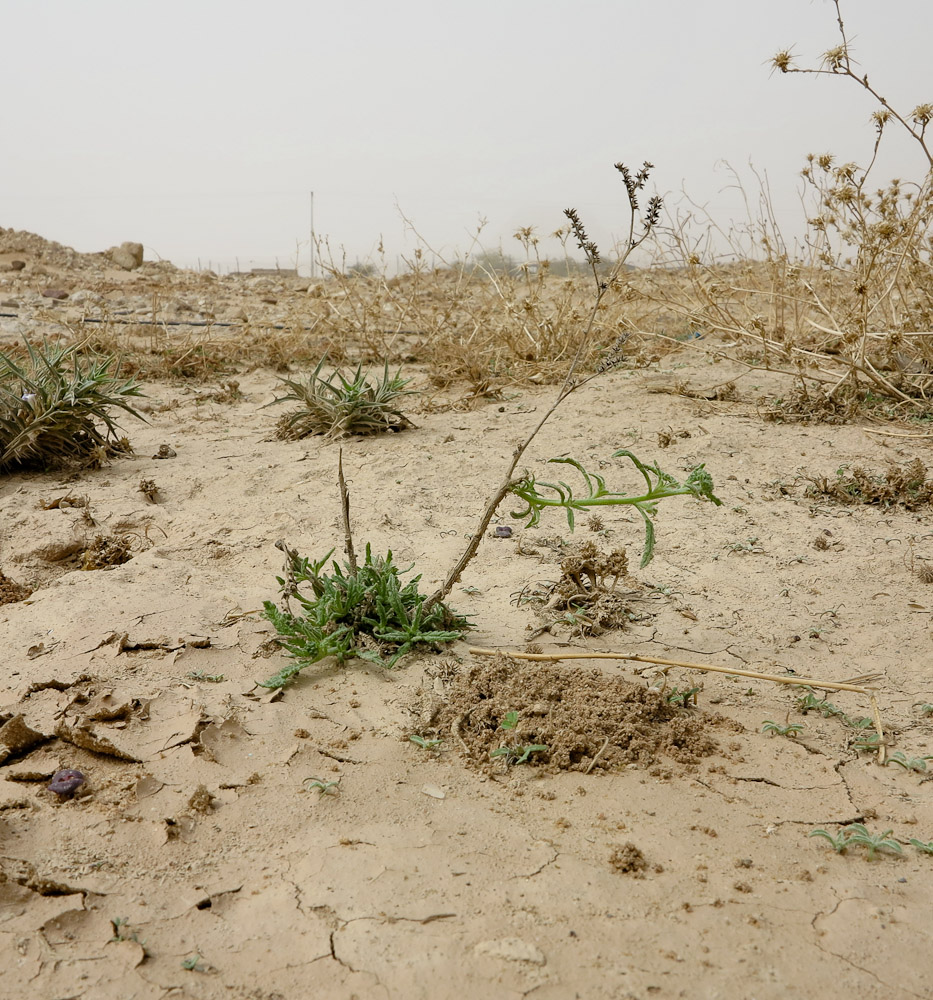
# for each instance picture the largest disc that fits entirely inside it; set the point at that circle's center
(364, 612)
(339, 405)
(55, 407)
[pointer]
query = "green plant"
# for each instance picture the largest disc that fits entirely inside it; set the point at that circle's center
(199, 675)
(322, 786)
(857, 833)
(775, 729)
(518, 753)
(340, 405)
(660, 486)
(926, 709)
(926, 848)
(509, 720)
(358, 611)
(52, 407)
(868, 741)
(908, 763)
(425, 742)
(192, 964)
(683, 698)
(749, 547)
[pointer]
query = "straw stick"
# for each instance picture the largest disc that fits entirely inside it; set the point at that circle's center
(709, 668)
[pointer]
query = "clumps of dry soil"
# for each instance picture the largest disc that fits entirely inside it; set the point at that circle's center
(628, 859)
(904, 486)
(588, 720)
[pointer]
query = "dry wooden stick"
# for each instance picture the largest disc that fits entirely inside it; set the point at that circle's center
(777, 678)
(345, 514)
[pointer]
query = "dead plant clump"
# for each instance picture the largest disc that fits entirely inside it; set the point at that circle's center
(106, 551)
(11, 591)
(586, 719)
(586, 597)
(902, 486)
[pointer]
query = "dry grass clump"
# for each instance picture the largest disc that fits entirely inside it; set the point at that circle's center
(903, 486)
(586, 719)
(105, 551)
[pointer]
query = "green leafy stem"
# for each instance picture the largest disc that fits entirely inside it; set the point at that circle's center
(660, 486)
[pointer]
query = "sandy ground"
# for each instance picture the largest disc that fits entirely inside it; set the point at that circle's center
(197, 861)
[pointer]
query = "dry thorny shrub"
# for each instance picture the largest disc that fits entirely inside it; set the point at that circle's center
(905, 486)
(586, 719)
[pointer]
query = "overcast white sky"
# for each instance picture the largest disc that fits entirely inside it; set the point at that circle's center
(198, 128)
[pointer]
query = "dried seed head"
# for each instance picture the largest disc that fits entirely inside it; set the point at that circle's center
(783, 61)
(583, 241)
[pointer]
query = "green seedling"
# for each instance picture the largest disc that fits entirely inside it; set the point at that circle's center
(660, 486)
(519, 753)
(340, 405)
(55, 408)
(840, 842)
(509, 720)
(872, 842)
(192, 964)
(926, 709)
(199, 675)
(790, 730)
(921, 846)
(357, 611)
(908, 763)
(425, 742)
(868, 741)
(749, 547)
(860, 835)
(322, 786)
(683, 698)
(121, 931)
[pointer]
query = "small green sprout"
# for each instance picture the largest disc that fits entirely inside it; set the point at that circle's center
(426, 743)
(908, 763)
(790, 730)
(921, 846)
(323, 787)
(199, 675)
(683, 698)
(926, 709)
(519, 753)
(868, 741)
(839, 842)
(857, 833)
(192, 964)
(509, 720)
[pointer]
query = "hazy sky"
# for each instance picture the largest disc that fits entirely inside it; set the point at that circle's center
(198, 128)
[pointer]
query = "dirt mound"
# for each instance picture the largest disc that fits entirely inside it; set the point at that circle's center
(584, 718)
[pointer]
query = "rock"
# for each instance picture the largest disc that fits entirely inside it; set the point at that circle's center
(17, 265)
(54, 293)
(127, 255)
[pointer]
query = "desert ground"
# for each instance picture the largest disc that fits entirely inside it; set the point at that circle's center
(236, 841)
